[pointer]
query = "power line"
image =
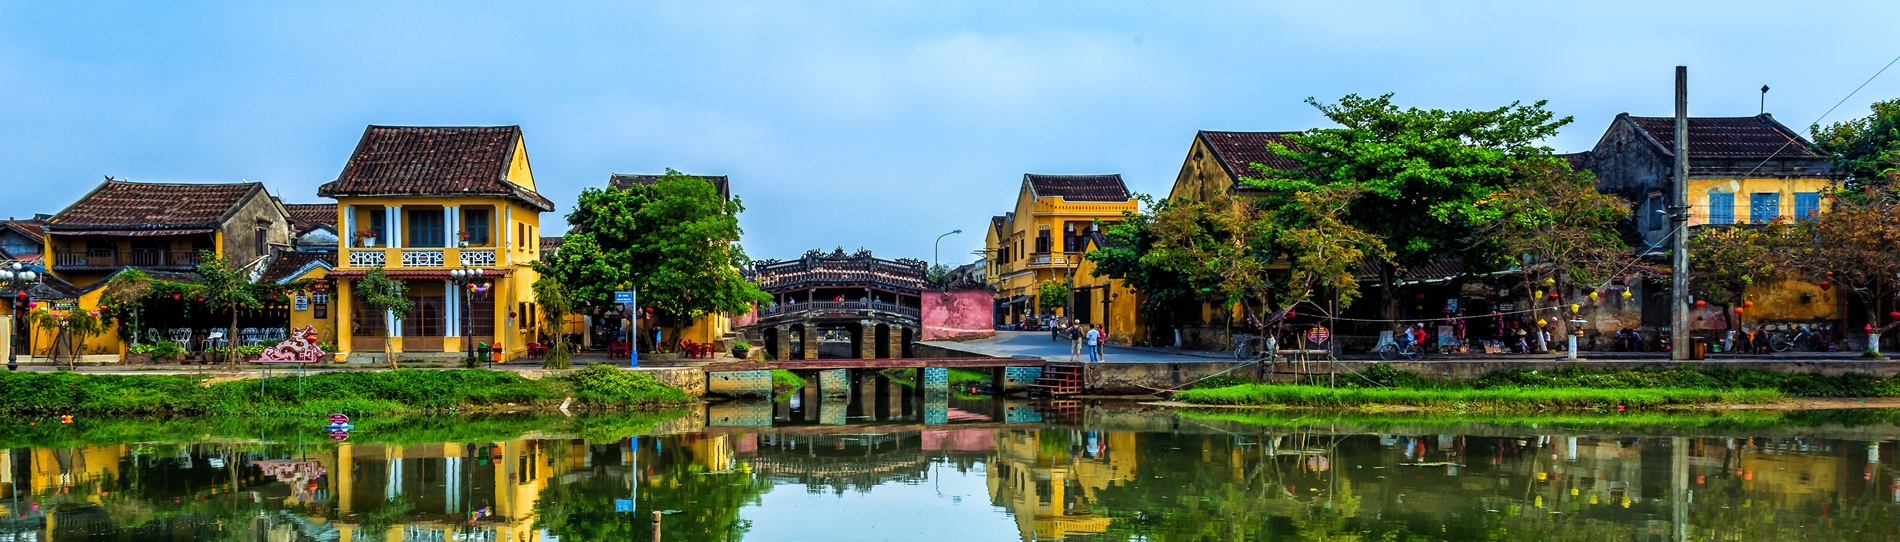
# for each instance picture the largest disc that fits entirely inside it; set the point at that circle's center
(1817, 120)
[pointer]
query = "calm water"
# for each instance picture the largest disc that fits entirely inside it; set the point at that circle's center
(899, 468)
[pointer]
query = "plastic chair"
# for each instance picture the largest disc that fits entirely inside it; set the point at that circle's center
(181, 336)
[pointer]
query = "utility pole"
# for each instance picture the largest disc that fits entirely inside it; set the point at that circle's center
(1679, 218)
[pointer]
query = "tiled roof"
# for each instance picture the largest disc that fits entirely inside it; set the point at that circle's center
(308, 216)
(287, 264)
(1237, 151)
(1079, 187)
(1438, 270)
(32, 229)
(550, 244)
(626, 180)
(997, 223)
(433, 161)
(1576, 159)
(125, 205)
(1737, 137)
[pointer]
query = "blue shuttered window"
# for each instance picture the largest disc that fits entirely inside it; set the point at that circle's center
(1721, 208)
(1806, 205)
(1763, 207)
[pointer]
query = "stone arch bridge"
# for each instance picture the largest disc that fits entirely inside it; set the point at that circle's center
(837, 305)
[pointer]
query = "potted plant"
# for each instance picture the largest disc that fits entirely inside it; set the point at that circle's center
(140, 354)
(742, 350)
(167, 352)
(462, 238)
(365, 238)
(250, 352)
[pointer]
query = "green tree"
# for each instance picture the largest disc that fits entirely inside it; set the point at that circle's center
(1554, 227)
(555, 308)
(675, 241)
(1856, 246)
(1422, 173)
(385, 294)
(1166, 297)
(1051, 295)
(1867, 149)
(1218, 247)
(1726, 260)
(224, 287)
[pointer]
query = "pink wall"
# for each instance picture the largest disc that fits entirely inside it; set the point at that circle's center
(961, 314)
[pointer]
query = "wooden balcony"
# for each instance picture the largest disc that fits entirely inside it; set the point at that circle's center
(108, 259)
(422, 257)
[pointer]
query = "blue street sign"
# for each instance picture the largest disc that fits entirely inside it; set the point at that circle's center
(339, 427)
(623, 505)
(623, 298)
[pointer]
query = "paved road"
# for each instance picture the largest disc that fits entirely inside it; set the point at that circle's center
(1037, 343)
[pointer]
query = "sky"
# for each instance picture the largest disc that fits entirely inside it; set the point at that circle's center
(874, 125)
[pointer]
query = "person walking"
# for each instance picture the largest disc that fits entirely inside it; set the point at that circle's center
(1092, 340)
(1075, 340)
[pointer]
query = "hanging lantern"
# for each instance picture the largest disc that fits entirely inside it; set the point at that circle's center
(176, 297)
(1542, 322)
(1738, 310)
(95, 314)
(1593, 296)
(1289, 313)
(1626, 294)
(1575, 308)
(1418, 307)
(1418, 297)
(1830, 273)
(1894, 315)
(1548, 281)
(1553, 296)
(1540, 293)
(1749, 304)
(201, 299)
(1700, 303)
(1825, 286)
(31, 304)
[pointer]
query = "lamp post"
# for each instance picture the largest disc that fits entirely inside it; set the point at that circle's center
(464, 280)
(14, 281)
(935, 248)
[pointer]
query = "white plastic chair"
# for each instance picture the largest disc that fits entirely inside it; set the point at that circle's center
(181, 336)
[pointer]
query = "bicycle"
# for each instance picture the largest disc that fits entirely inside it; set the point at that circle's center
(1393, 350)
(1250, 347)
(1803, 339)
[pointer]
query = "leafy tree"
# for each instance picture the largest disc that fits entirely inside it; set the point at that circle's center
(1855, 246)
(1051, 295)
(1726, 260)
(224, 287)
(554, 310)
(1866, 149)
(386, 294)
(1323, 251)
(939, 275)
(1422, 173)
(1165, 293)
(1554, 228)
(1217, 247)
(675, 241)
(70, 328)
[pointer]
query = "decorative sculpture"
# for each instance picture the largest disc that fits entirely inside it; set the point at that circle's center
(300, 347)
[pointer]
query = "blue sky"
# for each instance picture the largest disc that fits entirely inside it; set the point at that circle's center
(873, 124)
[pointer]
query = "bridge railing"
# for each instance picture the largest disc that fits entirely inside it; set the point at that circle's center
(839, 306)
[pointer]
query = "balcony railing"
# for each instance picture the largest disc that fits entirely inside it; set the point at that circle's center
(138, 257)
(838, 307)
(1045, 258)
(422, 258)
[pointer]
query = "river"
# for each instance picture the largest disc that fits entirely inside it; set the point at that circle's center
(970, 468)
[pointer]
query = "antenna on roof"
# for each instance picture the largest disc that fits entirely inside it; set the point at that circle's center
(1764, 100)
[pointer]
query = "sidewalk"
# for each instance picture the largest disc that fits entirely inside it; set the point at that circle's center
(1038, 344)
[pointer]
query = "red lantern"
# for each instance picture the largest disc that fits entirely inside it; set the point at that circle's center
(1894, 315)
(176, 297)
(1700, 303)
(1419, 297)
(1289, 313)
(1830, 273)
(1749, 304)
(1553, 295)
(201, 299)
(1738, 310)
(1825, 286)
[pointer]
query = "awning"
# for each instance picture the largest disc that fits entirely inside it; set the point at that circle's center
(132, 233)
(420, 274)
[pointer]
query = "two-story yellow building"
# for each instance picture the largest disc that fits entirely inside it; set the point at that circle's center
(420, 202)
(1045, 235)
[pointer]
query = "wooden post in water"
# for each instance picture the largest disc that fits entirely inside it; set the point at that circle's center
(656, 526)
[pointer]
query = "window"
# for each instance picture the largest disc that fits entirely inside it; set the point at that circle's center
(475, 223)
(1721, 208)
(1656, 219)
(1042, 240)
(365, 320)
(1806, 205)
(262, 243)
(1763, 207)
(427, 229)
(378, 224)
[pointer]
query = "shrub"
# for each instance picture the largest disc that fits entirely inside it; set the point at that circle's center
(608, 386)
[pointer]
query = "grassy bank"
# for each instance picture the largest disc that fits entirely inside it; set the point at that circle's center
(1500, 398)
(598, 387)
(392, 430)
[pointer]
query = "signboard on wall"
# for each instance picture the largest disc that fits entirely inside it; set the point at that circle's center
(302, 302)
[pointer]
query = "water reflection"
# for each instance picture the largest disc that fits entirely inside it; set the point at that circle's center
(889, 473)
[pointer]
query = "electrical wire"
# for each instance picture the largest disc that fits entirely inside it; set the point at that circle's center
(1830, 110)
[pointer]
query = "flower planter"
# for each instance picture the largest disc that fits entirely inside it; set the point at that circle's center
(742, 353)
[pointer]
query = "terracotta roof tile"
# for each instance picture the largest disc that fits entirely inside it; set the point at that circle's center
(308, 216)
(1741, 137)
(125, 205)
(429, 161)
(1237, 151)
(1079, 187)
(550, 244)
(626, 180)
(288, 264)
(32, 229)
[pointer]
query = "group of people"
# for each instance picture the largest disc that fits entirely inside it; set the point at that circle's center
(1084, 338)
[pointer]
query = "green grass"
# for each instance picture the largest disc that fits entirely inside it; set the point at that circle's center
(599, 387)
(1499, 398)
(46, 431)
(785, 381)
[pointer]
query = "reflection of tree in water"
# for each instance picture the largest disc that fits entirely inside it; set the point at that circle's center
(701, 504)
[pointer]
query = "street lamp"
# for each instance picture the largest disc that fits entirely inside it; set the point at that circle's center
(14, 281)
(934, 249)
(465, 279)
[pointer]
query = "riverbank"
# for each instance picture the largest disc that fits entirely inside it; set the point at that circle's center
(1383, 387)
(397, 392)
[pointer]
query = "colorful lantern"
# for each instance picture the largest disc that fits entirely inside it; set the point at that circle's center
(1549, 281)
(1825, 286)
(1593, 296)
(1738, 310)
(1575, 308)
(1626, 294)
(1553, 296)
(1749, 304)
(1700, 303)
(1540, 293)
(1894, 315)
(1542, 322)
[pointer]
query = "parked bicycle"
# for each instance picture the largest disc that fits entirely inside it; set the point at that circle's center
(1803, 339)
(1250, 347)
(1401, 345)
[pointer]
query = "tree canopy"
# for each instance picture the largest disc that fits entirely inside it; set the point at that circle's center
(1866, 149)
(675, 241)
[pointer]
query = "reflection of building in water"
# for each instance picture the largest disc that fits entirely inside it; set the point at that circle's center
(859, 462)
(1048, 478)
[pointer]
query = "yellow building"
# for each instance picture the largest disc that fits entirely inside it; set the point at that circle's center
(1215, 164)
(1107, 303)
(419, 202)
(158, 228)
(1742, 170)
(315, 306)
(1045, 235)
